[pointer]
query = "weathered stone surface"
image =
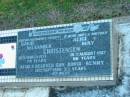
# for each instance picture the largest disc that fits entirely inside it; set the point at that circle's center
(32, 92)
(14, 93)
(37, 92)
(1, 93)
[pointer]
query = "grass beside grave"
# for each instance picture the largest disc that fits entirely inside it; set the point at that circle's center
(29, 13)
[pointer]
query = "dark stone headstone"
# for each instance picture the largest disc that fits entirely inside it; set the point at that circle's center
(76, 50)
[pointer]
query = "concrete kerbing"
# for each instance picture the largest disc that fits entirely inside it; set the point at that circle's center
(119, 23)
(122, 26)
(32, 92)
(38, 92)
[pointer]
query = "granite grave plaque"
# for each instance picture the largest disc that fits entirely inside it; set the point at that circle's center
(73, 50)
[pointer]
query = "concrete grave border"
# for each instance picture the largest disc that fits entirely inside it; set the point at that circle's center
(12, 81)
